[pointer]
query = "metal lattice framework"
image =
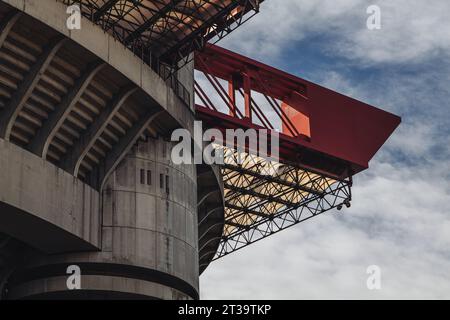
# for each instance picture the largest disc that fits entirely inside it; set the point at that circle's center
(264, 197)
(167, 29)
(325, 138)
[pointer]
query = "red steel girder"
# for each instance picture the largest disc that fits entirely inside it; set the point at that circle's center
(341, 136)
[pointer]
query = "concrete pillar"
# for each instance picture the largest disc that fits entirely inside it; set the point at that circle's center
(149, 237)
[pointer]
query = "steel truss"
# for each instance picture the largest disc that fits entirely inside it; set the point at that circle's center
(169, 30)
(325, 139)
(264, 197)
(253, 110)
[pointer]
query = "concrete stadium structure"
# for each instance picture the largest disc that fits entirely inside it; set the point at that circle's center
(86, 175)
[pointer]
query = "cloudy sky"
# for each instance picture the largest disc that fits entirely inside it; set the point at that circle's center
(400, 217)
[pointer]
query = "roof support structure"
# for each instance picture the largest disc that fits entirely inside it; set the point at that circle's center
(104, 9)
(247, 211)
(196, 41)
(168, 30)
(238, 235)
(253, 193)
(295, 185)
(150, 22)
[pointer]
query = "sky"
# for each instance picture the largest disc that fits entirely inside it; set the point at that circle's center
(400, 215)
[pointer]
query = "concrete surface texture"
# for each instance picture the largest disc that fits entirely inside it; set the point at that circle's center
(149, 237)
(134, 234)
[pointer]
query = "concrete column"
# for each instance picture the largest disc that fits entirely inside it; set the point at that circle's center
(149, 237)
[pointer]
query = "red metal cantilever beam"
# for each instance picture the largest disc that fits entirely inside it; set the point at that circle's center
(341, 131)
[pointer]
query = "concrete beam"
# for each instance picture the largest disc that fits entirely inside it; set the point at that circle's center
(41, 142)
(125, 144)
(25, 89)
(74, 158)
(7, 25)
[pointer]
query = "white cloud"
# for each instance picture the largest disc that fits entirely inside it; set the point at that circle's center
(411, 30)
(399, 219)
(409, 33)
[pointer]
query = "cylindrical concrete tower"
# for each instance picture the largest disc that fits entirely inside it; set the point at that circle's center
(149, 244)
(92, 207)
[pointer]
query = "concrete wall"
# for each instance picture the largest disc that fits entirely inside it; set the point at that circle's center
(186, 77)
(160, 218)
(148, 228)
(40, 203)
(139, 239)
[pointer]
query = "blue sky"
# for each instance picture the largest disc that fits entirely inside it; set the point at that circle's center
(400, 217)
